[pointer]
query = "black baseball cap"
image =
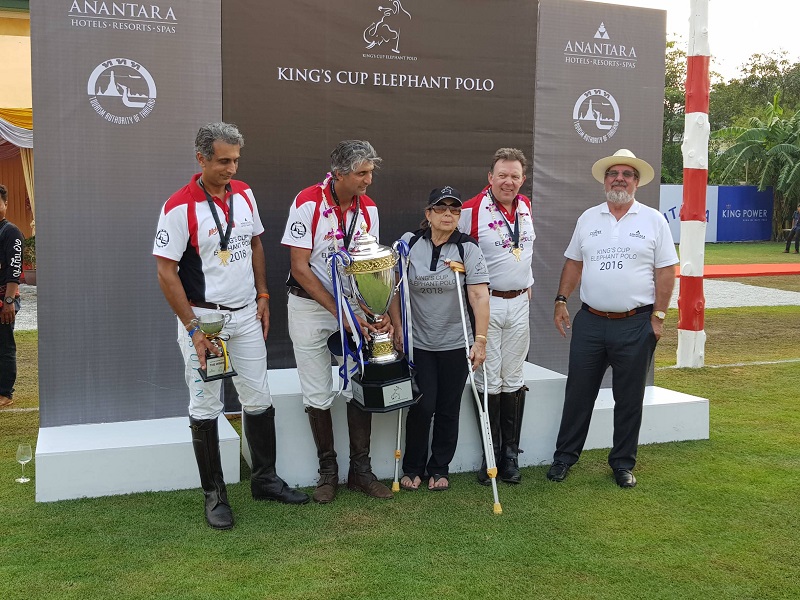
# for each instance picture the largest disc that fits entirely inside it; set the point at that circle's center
(439, 194)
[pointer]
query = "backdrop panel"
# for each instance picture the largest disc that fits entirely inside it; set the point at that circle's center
(436, 98)
(599, 87)
(119, 92)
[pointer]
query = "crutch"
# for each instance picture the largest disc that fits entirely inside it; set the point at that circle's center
(402, 249)
(483, 409)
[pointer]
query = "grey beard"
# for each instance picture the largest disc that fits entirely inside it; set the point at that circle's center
(618, 196)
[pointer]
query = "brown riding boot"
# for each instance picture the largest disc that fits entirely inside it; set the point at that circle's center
(360, 477)
(322, 430)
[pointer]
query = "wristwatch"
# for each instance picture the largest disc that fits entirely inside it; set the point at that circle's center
(659, 314)
(9, 299)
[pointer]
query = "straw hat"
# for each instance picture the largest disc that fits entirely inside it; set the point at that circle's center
(623, 157)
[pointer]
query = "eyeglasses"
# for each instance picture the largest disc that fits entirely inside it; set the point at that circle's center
(440, 209)
(625, 174)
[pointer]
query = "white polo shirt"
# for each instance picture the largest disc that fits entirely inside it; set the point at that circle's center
(187, 234)
(620, 257)
(310, 228)
(484, 221)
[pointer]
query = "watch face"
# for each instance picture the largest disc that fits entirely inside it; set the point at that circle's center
(9, 300)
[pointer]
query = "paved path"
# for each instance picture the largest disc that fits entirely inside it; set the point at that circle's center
(719, 294)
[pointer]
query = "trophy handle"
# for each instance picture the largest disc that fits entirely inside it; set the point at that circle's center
(228, 318)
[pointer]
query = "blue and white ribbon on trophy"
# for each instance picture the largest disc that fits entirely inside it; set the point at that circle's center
(402, 250)
(336, 261)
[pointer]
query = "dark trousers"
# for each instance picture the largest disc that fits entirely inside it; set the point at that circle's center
(8, 360)
(626, 345)
(441, 377)
(793, 234)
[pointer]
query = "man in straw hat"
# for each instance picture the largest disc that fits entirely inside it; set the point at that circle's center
(623, 254)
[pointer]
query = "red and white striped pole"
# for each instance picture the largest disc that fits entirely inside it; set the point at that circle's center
(691, 302)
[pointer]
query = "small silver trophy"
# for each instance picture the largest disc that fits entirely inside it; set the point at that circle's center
(217, 367)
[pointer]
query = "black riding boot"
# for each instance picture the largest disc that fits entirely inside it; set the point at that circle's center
(322, 430)
(494, 425)
(264, 481)
(360, 477)
(512, 405)
(205, 440)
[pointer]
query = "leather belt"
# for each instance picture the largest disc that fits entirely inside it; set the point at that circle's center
(296, 291)
(509, 294)
(213, 306)
(618, 315)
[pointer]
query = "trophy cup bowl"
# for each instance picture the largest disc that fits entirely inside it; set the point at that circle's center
(372, 279)
(212, 323)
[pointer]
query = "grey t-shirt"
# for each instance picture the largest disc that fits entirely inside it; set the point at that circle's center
(436, 318)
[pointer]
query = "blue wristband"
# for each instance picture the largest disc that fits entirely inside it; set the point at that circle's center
(192, 332)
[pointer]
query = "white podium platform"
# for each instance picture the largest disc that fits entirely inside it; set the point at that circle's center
(668, 416)
(154, 455)
(105, 459)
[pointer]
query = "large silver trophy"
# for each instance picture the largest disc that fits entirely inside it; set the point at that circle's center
(385, 382)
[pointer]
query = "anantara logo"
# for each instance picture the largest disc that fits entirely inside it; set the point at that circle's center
(121, 91)
(127, 16)
(600, 51)
(595, 116)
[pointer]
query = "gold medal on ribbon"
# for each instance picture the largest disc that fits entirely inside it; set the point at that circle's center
(517, 252)
(225, 255)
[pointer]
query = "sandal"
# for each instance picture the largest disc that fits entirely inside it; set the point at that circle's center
(436, 478)
(410, 483)
(5, 401)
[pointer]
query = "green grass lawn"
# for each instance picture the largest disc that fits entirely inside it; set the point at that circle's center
(738, 253)
(712, 519)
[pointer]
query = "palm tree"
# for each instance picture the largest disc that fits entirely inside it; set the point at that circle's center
(769, 151)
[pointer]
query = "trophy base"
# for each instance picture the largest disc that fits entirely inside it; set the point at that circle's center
(215, 369)
(384, 387)
(206, 377)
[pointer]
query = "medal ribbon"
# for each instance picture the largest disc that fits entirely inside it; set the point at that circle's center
(349, 236)
(223, 238)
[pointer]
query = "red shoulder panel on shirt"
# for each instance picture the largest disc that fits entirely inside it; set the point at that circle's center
(179, 198)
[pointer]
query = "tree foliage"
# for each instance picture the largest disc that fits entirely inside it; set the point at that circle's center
(755, 124)
(768, 150)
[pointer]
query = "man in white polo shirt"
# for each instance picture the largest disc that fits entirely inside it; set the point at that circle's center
(500, 219)
(210, 260)
(623, 255)
(323, 219)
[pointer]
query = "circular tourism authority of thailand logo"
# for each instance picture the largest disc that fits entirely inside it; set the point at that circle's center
(596, 116)
(121, 91)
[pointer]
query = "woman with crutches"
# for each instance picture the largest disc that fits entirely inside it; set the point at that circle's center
(441, 370)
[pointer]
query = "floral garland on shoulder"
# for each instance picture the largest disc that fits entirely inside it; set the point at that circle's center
(499, 223)
(334, 232)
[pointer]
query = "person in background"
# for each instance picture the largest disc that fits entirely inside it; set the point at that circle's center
(11, 240)
(794, 233)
